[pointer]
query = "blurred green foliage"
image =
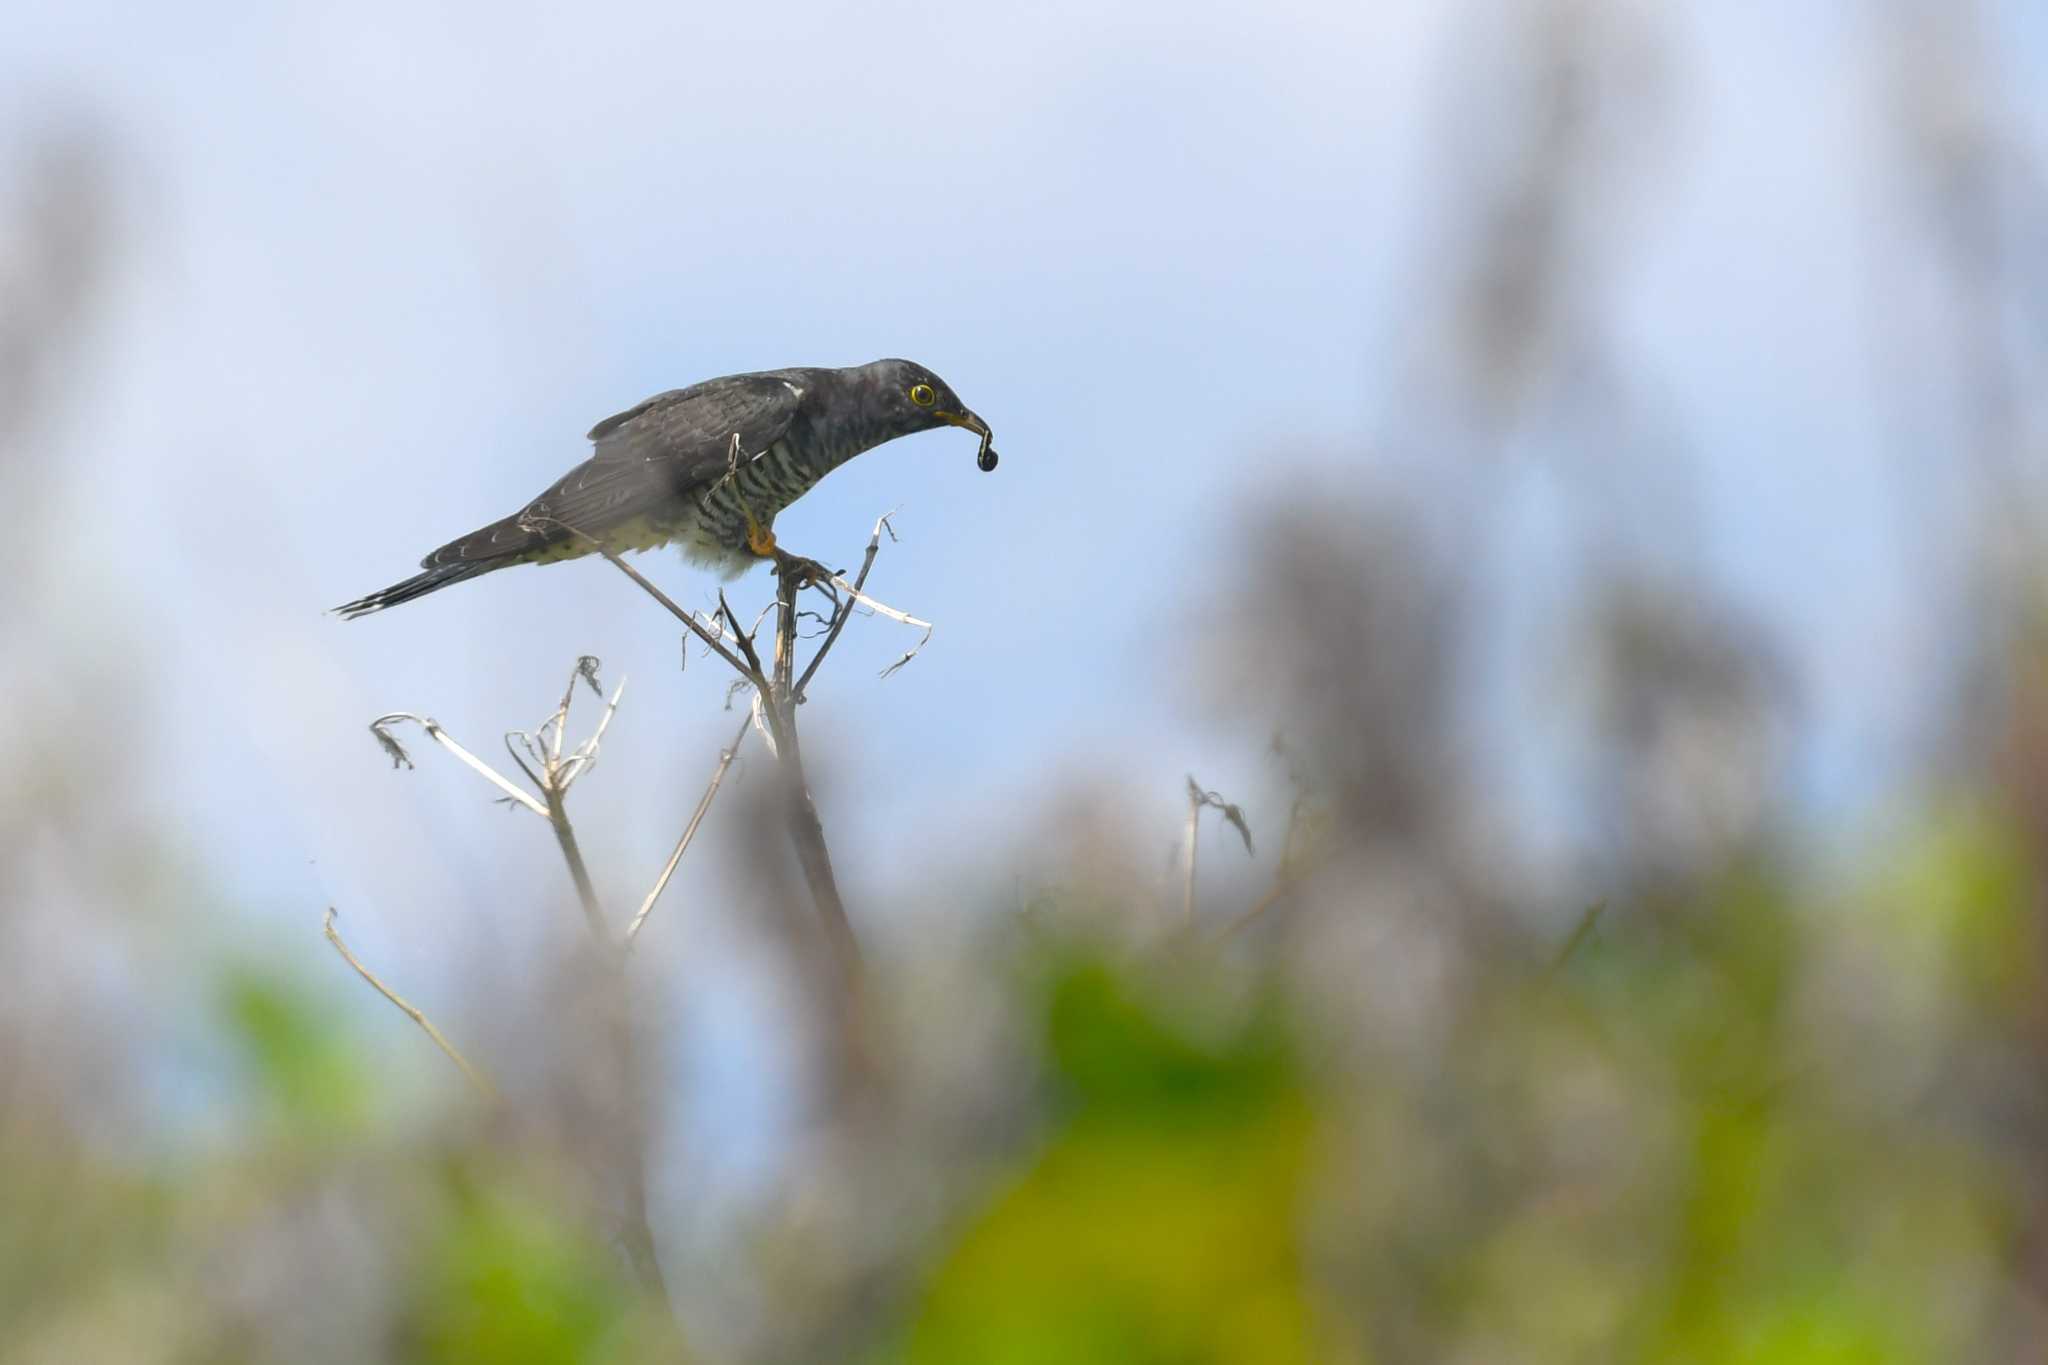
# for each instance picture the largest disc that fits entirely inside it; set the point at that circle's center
(1745, 1122)
(302, 1066)
(1161, 1222)
(509, 1281)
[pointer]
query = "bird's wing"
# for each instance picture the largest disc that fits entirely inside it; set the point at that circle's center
(668, 447)
(694, 427)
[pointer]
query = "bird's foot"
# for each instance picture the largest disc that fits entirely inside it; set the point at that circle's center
(760, 539)
(803, 570)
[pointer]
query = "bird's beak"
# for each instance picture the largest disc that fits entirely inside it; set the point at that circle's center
(986, 457)
(964, 419)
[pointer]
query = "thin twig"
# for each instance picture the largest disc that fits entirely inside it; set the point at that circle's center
(550, 732)
(752, 666)
(757, 715)
(411, 1011)
(515, 740)
(579, 762)
(725, 759)
(572, 854)
(558, 773)
(1284, 877)
(689, 619)
(806, 830)
(1589, 920)
(1290, 870)
(844, 609)
(1281, 885)
(778, 712)
(1198, 798)
(553, 773)
(900, 617)
(380, 728)
(786, 589)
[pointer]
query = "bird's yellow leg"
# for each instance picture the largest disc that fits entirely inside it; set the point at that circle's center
(760, 539)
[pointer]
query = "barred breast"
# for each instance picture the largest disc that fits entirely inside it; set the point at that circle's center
(714, 532)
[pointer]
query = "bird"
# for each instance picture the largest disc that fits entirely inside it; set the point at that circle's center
(707, 467)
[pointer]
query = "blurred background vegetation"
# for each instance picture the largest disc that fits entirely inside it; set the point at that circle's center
(1739, 1081)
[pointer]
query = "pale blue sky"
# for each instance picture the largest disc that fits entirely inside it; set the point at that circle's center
(384, 263)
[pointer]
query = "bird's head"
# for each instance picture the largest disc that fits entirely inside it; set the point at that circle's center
(909, 398)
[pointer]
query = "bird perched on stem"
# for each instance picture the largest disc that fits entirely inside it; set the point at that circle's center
(708, 466)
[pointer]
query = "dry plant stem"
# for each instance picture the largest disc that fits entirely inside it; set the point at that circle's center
(696, 627)
(1283, 879)
(639, 1240)
(442, 738)
(787, 585)
(1589, 920)
(411, 1011)
(557, 772)
(565, 836)
(806, 830)
(752, 666)
(635, 1232)
(1198, 797)
(902, 618)
(636, 1235)
(568, 770)
(846, 607)
(725, 759)
(554, 785)
(1282, 883)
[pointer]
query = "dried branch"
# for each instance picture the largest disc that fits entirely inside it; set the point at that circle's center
(1197, 799)
(900, 617)
(392, 748)
(806, 830)
(585, 754)
(844, 609)
(1582, 932)
(689, 619)
(380, 727)
(751, 668)
(778, 688)
(757, 716)
(557, 773)
(549, 770)
(411, 1011)
(565, 837)
(725, 760)
(1284, 877)
(515, 740)
(783, 674)
(553, 772)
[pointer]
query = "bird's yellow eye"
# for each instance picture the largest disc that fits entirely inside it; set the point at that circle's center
(922, 395)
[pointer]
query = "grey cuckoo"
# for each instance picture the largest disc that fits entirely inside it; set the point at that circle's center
(708, 466)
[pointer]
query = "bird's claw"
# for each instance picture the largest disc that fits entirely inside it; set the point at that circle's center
(804, 570)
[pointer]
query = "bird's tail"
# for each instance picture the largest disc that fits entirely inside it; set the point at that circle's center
(419, 585)
(497, 546)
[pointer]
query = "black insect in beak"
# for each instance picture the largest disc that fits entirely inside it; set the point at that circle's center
(985, 459)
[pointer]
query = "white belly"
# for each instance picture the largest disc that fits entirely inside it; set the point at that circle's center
(702, 548)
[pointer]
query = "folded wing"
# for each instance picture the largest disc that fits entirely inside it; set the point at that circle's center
(647, 458)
